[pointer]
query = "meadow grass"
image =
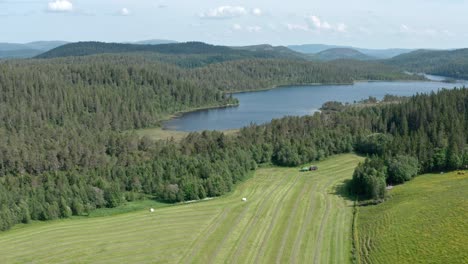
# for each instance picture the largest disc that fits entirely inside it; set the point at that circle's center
(159, 133)
(127, 208)
(424, 221)
(289, 217)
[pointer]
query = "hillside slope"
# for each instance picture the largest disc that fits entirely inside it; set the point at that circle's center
(376, 53)
(154, 42)
(450, 63)
(27, 50)
(269, 48)
(424, 221)
(341, 53)
(19, 54)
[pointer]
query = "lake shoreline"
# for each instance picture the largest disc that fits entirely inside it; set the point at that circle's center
(181, 113)
(325, 84)
(192, 110)
(171, 122)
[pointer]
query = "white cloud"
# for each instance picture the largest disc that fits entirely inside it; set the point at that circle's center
(60, 6)
(326, 25)
(254, 29)
(250, 29)
(257, 12)
(341, 27)
(318, 24)
(225, 12)
(421, 32)
(448, 33)
(405, 29)
(124, 12)
(237, 27)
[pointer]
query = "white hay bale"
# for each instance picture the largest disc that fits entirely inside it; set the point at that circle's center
(151, 210)
(244, 199)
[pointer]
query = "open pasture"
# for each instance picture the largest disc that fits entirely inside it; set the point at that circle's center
(289, 217)
(424, 221)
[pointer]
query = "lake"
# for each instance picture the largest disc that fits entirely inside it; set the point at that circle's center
(263, 106)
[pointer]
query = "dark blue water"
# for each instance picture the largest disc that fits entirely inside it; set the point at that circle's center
(262, 106)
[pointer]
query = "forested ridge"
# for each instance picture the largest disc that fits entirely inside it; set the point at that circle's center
(217, 53)
(62, 150)
(449, 63)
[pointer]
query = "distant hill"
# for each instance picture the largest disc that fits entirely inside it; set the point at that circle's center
(11, 46)
(92, 48)
(19, 54)
(377, 53)
(32, 49)
(27, 50)
(383, 53)
(154, 42)
(282, 50)
(45, 45)
(449, 63)
(312, 48)
(341, 53)
(196, 51)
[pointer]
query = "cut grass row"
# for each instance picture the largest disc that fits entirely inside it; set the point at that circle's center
(424, 221)
(289, 217)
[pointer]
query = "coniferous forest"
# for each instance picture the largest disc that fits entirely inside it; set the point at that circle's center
(449, 63)
(64, 149)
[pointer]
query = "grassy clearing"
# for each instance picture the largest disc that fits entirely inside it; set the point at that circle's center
(289, 217)
(158, 133)
(425, 221)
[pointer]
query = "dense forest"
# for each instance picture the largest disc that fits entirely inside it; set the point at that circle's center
(51, 108)
(63, 151)
(449, 63)
(424, 134)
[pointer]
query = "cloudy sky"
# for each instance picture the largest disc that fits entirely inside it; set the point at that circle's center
(363, 23)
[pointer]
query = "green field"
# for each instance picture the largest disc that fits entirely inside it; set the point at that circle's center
(289, 217)
(425, 221)
(158, 133)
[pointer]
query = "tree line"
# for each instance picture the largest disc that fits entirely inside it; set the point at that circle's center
(427, 133)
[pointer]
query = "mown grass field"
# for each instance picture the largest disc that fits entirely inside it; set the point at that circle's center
(289, 217)
(425, 221)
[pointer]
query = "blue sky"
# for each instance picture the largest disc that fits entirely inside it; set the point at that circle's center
(363, 23)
